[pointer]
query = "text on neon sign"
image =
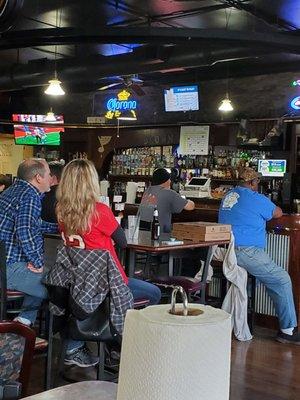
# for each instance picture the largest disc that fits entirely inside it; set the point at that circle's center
(115, 104)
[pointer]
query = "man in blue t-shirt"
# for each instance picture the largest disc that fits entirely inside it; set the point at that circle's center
(247, 212)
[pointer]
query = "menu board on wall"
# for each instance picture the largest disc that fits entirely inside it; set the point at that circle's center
(182, 98)
(194, 139)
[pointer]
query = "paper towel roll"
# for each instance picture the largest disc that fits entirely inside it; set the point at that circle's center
(169, 357)
(131, 189)
(104, 185)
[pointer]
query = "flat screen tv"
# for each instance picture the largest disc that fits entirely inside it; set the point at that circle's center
(182, 98)
(26, 134)
(275, 168)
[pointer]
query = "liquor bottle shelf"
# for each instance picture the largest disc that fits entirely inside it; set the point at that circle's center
(148, 178)
(128, 177)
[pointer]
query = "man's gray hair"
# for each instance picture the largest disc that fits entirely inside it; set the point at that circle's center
(31, 167)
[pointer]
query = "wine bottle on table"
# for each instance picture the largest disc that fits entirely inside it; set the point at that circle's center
(155, 228)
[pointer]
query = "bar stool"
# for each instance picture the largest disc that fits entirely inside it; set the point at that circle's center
(191, 286)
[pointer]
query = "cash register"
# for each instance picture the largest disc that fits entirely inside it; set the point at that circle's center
(198, 187)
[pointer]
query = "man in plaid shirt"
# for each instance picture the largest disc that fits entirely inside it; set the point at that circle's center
(21, 229)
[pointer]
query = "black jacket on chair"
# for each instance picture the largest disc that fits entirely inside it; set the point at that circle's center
(80, 281)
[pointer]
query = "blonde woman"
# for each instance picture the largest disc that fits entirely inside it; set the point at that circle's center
(88, 224)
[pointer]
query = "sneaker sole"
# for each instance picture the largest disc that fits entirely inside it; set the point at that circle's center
(67, 362)
(285, 341)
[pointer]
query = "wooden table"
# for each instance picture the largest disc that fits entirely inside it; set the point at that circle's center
(145, 244)
(87, 390)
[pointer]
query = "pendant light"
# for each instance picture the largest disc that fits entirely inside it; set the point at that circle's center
(54, 88)
(225, 105)
(50, 117)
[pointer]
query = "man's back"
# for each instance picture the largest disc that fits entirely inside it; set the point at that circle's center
(247, 211)
(167, 201)
(19, 205)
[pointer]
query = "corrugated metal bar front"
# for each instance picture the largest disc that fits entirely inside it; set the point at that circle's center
(278, 247)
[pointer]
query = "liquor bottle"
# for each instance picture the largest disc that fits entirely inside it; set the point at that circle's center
(155, 228)
(269, 191)
(275, 191)
(179, 161)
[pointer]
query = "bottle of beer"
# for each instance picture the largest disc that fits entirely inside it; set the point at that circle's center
(155, 228)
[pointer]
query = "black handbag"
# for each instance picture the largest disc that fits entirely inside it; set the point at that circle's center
(96, 327)
(77, 324)
(10, 390)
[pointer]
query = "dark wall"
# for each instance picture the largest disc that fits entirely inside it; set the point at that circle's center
(263, 96)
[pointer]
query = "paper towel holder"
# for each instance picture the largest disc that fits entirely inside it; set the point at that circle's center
(185, 311)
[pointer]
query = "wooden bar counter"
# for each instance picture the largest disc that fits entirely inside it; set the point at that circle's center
(282, 239)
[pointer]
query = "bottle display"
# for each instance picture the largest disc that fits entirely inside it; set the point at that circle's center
(222, 165)
(155, 228)
(221, 162)
(141, 160)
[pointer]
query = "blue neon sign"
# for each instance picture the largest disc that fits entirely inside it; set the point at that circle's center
(114, 104)
(295, 103)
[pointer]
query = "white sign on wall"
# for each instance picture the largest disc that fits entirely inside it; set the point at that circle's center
(194, 139)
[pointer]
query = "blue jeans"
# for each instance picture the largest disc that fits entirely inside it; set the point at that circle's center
(140, 289)
(276, 280)
(20, 278)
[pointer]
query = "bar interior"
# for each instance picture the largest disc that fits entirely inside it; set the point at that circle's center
(186, 97)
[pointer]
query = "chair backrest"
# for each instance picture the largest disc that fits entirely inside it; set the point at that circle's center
(50, 248)
(16, 354)
(145, 216)
(145, 212)
(2, 281)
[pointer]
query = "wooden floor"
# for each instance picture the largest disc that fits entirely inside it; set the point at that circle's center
(261, 369)
(264, 369)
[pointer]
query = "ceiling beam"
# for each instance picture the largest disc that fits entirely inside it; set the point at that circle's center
(94, 68)
(177, 15)
(123, 6)
(270, 19)
(63, 36)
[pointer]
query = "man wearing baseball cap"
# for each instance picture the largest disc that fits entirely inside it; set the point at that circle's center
(248, 211)
(166, 200)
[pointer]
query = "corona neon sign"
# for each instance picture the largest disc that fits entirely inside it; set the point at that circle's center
(295, 103)
(116, 105)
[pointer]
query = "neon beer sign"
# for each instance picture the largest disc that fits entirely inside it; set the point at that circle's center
(116, 105)
(295, 103)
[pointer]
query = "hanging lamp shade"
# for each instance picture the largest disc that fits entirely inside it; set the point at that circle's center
(54, 88)
(50, 117)
(226, 105)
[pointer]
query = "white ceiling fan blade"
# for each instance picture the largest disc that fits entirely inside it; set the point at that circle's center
(109, 86)
(136, 80)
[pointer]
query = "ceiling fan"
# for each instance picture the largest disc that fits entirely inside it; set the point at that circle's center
(129, 81)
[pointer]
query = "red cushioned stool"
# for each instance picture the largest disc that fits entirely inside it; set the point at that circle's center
(140, 303)
(191, 286)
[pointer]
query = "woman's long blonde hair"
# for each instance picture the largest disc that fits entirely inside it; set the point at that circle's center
(77, 194)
